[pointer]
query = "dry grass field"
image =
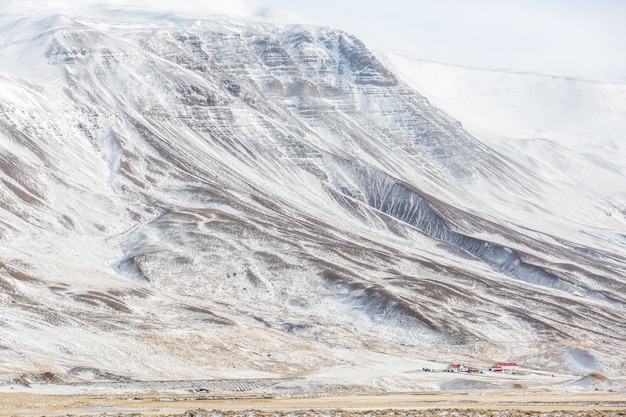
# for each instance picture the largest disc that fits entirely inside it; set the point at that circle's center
(398, 405)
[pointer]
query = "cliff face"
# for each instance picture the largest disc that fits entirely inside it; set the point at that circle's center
(219, 198)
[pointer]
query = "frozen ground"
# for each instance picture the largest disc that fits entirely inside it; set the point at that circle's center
(377, 373)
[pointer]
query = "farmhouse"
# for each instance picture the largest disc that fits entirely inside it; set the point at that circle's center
(457, 367)
(504, 367)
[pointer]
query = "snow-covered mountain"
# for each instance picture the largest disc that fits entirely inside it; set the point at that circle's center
(196, 198)
(560, 128)
(534, 114)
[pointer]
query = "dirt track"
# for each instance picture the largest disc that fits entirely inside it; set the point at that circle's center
(582, 404)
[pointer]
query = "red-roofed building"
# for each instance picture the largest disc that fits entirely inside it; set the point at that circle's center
(457, 367)
(504, 367)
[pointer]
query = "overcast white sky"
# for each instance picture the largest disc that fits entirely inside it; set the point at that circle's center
(584, 38)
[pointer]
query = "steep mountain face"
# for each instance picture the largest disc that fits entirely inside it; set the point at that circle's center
(568, 132)
(191, 199)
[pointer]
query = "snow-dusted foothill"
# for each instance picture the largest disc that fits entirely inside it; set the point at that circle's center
(195, 198)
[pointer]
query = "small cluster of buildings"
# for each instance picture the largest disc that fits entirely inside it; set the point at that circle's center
(504, 367)
(498, 367)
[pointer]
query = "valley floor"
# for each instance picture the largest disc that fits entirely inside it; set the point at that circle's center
(458, 403)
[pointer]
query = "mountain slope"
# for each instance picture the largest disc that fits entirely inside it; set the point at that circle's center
(567, 131)
(220, 198)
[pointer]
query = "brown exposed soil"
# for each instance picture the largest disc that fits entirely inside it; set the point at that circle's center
(599, 376)
(416, 404)
(96, 298)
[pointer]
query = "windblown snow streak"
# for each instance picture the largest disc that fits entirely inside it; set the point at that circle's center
(231, 199)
